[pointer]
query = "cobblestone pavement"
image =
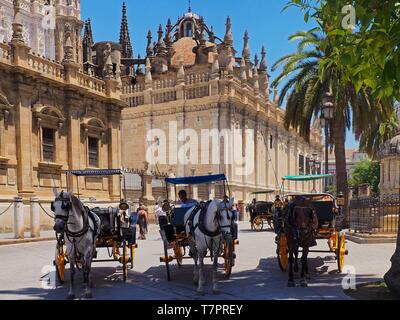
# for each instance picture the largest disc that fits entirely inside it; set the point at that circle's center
(256, 274)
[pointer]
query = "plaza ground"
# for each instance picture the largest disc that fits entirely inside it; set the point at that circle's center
(256, 274)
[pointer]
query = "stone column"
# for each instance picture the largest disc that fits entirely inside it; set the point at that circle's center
(19, 226)
(23, 141)
(172, 195)
(74, 141)
(211, 193)
(114, 143)
(35, 217)
(195, 189)
(148, 198)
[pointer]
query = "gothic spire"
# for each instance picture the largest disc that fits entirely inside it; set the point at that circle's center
(88, 42)
(246, 49)
(149, 49)
(161, 47)
(124, 37)
(228, 34)
(256, 61)
(263, 63)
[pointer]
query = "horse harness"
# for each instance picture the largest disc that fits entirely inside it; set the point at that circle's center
(67, 206)
(203, 207)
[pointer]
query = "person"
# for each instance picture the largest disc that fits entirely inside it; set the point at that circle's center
(183, 201)
(278, 214)
(142, 221)
(160, 214)
(252, 211)
(235, 212)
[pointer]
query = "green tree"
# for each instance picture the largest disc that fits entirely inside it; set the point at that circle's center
(305, 88)
(372, 138)
(367, 171)
(369, 56)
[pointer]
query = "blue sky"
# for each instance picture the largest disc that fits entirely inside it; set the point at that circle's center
(262, 18)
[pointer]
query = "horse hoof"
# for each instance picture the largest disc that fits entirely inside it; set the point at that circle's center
(71, 297)
(291, 284)
(196, 283)
(308, 277)
(296, 269)
(303, 284)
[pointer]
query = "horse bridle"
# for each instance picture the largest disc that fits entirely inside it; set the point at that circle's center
(66, 205)
(219, 215)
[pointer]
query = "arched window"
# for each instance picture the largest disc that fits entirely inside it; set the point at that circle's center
(188, 30)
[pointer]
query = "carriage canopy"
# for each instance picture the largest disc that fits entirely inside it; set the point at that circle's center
(309, 177)
(196, 180)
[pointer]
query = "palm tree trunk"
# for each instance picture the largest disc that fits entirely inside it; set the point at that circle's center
(392, 277)
(339, 139)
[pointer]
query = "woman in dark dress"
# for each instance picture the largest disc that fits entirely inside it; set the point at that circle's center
(142, 222)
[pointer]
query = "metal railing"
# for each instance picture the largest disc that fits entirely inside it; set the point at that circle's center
(375, 215)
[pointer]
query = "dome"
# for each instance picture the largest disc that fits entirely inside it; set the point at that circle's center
(183, 48)
(191, 15)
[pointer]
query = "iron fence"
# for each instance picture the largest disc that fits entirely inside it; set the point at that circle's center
(375, 215)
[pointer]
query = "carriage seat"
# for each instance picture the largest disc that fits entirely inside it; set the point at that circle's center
(324, 212)
(108, 220)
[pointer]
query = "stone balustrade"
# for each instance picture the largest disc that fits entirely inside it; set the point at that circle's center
(46, 67)
(5, 53)
(20, 56)
(92, 84)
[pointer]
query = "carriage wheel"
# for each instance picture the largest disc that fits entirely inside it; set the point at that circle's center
(228, 256)
(333, 241)
(341, 252)
(179, 252)
(283, 252)
(258, 224)
(270, 222)
(60, 263)
(125, 260)
(165, 259)
(132, 254)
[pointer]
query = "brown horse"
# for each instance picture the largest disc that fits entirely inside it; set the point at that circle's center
(301, 224)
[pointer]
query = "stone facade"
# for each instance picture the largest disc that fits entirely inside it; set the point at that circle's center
(54, 116)
(188, 82)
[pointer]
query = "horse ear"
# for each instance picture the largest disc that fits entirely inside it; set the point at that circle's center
(55, 191)
(231, 202)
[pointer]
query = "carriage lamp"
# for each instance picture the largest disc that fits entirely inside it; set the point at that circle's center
(340, 199)
(327, 106)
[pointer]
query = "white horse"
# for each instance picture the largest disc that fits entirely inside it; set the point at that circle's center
(208, 230)
(73, 223)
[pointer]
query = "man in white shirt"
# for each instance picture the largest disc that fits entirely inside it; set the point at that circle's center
(160, 214)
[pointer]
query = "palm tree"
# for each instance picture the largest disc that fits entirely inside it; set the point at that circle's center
(371, 140)
(309, 75)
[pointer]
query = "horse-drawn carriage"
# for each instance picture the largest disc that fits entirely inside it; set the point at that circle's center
(117, 226)
(175, 234)
(263, 213)
(328, 212)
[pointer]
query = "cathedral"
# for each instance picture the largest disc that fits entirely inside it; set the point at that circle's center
(68, 102)
(54, 115)
(192, 81)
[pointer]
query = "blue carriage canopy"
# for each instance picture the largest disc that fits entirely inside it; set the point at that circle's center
(95, 172)
(309, 177)
(197, 180)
